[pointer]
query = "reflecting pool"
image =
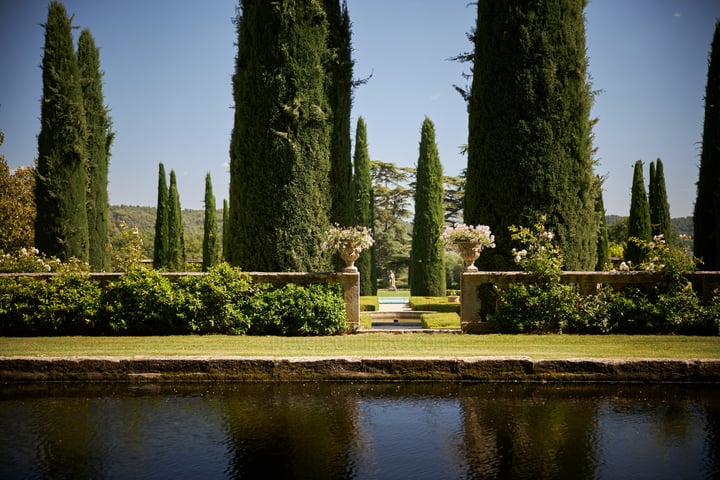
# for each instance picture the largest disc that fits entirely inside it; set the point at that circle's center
(360, 431)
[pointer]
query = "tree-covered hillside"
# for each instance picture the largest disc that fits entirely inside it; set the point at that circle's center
(144, 219)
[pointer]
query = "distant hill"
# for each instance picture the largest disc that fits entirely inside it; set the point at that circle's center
(682, 225)
(144, 219)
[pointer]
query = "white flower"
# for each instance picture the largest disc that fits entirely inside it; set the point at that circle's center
(659, 238)
(624, 267)
(548, 235)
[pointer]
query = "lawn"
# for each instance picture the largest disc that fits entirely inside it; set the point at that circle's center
(376, 344)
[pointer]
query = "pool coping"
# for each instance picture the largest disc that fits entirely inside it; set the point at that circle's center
(24, 369)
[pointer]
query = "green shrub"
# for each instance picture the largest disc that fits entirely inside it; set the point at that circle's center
(537, 308)
(61, 305)
(142, 302)
(440, 320)
(434, 304)
(295, 310)
(216, 302)
(369, 304)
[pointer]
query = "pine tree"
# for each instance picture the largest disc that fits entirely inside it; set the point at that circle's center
(362, 186)
(706, 215)
(161, 245)
(639, 221)
(176, 235)
(99, 139)
(660, 220)
(340, 82)
(279, 151)
(427, 257)
(530, 134)
(603, 245)
(211, 236)
(61, 225)
(225, 229)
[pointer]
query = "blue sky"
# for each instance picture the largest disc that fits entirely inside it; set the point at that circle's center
(168, 67)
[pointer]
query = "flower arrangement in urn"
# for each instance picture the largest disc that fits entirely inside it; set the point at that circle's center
(349, 242)
(469, 241)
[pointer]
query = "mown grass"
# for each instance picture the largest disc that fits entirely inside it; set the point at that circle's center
(376, 344)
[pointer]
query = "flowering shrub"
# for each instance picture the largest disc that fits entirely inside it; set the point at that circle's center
(460, 232)
(130, 254)
(32, 261)
(337, 238)
(538, 255)
(674, 262)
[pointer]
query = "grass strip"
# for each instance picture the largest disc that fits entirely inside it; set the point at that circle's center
(377, 344)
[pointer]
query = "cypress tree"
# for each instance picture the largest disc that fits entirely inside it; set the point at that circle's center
(603, 244)
(660, 220)
(529, 142)
(225, 229)
(706, 215)
(176, 235)
(211, 236)
(161, 245)
(639, 220)
(362, 186)
(61, 225)
(279, 149)
(427, 257)
(340, 82)
(99, 139)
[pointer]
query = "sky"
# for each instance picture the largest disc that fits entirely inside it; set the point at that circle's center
(167, 81)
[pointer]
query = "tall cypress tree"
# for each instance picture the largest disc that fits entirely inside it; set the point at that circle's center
(660, 220)
(706, 215)
(529, 142)
(61, 225)
(211, 236)
(161, 246)
(176, 234)
(340, 81)
(427, 257)
(279, 149)
(603, 245)
(225, 229)
(362, 186)
(639, 220)
(99, 139)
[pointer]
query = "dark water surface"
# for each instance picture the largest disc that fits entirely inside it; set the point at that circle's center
(360, 431)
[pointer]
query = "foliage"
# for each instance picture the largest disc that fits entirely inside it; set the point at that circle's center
(216, 303)
(706, 214)
(144, 302)
(61, 223)
(160, 242)
(211, 237)
(536, 308)
(639, 222)
(454, 188)
(127, 255)
(31, 260)
(99, 139)
(427, 255)
(540, 256)
(603, 243)
(440, 320)
(363, 205)
(17, 205)
(660, 221)
(530, 133)
(280, 143)
(339, 67)
(434, 304)
(392, 194)
(176, 233)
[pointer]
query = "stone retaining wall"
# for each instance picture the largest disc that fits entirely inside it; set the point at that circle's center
(475, 369)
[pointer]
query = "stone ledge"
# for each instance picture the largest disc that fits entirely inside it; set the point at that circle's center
(391, 369)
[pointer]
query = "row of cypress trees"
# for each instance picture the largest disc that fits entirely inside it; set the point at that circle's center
(169, 246)
(73, 148)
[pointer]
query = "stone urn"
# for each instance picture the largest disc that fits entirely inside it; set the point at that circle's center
(349, 253)
(469, 251)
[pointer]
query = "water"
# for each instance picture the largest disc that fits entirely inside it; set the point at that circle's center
(393, 300)
(360, 431)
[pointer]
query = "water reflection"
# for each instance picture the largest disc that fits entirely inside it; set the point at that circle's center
(359, 431)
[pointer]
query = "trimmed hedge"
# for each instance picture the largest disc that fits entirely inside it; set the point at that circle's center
(143, 302)
(434, 304)
(369, 304)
